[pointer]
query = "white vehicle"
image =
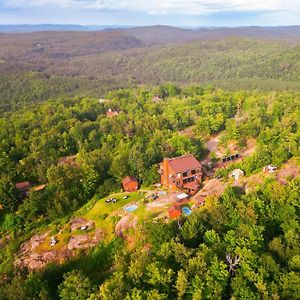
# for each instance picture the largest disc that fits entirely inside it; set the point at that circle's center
(270, 168)
(84, 227)
(53, 241)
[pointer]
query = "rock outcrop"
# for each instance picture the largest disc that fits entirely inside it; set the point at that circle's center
(35, 254)
(77, 223)
(126, 222)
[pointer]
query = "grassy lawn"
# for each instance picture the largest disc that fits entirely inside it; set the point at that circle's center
(105, 216)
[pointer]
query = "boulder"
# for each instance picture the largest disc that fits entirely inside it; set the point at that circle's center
(77, 223)
(78, 242)
(126, 222)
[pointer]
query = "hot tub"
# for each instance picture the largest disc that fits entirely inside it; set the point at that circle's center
(186, 211)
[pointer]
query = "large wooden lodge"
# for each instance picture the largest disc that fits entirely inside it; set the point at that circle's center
(183, 173)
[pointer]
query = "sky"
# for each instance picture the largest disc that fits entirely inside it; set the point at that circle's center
(193, 13)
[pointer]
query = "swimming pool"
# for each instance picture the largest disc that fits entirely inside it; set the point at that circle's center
(186, 210)
(130, 208)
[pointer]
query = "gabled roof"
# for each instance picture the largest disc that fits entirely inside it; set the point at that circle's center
(23, 186)
(182, 196)
(183, 163)
(129, 179)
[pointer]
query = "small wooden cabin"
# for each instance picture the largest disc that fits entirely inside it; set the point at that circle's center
(174, 212)
(130, 184)
(23, 188)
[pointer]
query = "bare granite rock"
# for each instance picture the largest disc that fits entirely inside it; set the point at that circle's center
(126, 222)
(34, 257)
(39, 260)
(84, 241)
(81, 222)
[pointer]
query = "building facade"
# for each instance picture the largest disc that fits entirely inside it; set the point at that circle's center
(183, 173)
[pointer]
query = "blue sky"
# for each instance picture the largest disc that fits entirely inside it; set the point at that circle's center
(150, 12)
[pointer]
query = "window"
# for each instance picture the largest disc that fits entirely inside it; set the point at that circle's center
(193, 172)
(185, 174)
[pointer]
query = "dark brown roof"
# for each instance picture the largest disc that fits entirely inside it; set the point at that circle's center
(184, 163)
(23, 186)
(129, 179)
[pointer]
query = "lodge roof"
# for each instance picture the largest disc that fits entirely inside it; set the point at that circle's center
(183, 163)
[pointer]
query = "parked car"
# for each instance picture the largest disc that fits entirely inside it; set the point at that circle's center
(125, 197)
(84, 227)
(154, 196)
(54, 241)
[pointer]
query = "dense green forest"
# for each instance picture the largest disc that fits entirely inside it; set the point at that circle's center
(163, 260)
(45, 65)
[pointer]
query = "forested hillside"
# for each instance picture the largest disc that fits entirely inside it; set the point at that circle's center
(41, 65)
(156, 260)
(82, 111)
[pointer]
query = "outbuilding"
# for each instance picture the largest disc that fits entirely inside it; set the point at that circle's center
(174, 212)
(237, 174)
(130, 184)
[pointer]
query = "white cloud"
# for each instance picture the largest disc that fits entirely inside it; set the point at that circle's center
(181, 7)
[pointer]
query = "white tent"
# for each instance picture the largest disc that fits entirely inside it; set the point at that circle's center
(182, 196)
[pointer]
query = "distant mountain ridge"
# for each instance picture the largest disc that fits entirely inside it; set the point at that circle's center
(58, 27)
(162, 34)
(41, 27)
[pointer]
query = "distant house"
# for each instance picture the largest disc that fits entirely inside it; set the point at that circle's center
(23, 188)
(157, 99)
(181, 173)
(111, 113)
(130, 184)
(174, 212)
(237, 174)
(38, 188)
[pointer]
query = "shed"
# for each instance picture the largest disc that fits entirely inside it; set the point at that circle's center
(130, 184)
(237, 174)
(174, 212)
(23, 187)
(182, 196)
(112, 113)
